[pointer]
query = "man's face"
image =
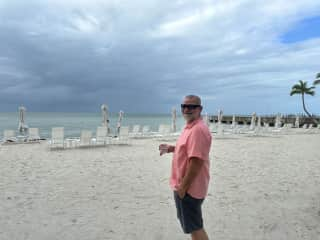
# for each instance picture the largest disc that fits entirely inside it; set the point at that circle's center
(190, 109)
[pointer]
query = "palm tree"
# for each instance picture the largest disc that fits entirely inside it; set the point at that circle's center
(302, 88)
(317, 81)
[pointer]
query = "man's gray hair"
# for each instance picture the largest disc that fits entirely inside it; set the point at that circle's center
(197, 98)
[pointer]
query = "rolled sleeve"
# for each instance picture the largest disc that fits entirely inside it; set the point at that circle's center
(199, 145)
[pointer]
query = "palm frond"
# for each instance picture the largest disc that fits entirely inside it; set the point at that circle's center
(296, 86)
(310, 88)
(302, 88)
(310, 93)
(317, 81)
(295, 91)
(303, 84)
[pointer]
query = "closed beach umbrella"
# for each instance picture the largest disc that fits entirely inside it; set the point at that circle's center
(253, 120)
(121, 113)
(220, 116)
(104, 111)
(220, 127)
(259, 122)
(297, 122)
(174, 119)
(276, 124)
(233, 121)
(206, 119)
(278, 121)
(22, 126)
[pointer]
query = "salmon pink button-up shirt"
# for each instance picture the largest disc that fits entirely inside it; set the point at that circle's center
(194, 141)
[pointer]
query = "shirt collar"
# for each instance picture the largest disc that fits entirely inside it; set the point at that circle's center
(190, 125)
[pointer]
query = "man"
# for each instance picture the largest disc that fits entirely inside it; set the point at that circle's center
(190, 168)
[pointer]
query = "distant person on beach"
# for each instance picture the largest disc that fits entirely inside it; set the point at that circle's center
(190, 168)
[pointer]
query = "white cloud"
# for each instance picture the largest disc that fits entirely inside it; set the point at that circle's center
(187, 21)
(86, 24)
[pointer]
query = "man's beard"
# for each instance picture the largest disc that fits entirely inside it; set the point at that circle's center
(189, 117)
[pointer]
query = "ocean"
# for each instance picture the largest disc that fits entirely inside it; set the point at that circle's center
(73, 123)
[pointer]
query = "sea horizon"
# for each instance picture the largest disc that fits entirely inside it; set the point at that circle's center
(74, 122)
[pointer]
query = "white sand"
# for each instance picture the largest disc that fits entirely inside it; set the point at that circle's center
(261, 188)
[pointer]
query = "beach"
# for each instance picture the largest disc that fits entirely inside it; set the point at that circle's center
(262, 187)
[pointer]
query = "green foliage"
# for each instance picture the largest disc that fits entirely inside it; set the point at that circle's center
(302, 88)
(317, 81)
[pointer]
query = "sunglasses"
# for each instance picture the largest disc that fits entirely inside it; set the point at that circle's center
(190, 106)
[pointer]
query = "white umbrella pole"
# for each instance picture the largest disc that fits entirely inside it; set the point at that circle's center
(104, 110)
(119, 122)
(174, 118)
(22, 126)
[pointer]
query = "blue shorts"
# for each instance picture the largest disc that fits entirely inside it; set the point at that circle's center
(189, 212)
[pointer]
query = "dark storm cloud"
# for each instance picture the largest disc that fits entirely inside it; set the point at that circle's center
(144, 56)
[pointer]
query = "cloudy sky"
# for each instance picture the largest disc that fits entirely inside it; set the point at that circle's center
(145, 55)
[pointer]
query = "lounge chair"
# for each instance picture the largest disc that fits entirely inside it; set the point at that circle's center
(57, 138)
(85, 138)
(123, 137)
(33, 135)
(9, 136)
(213, 127)
(102, 136)
(146, 131)
(164, 131)
(135, 131)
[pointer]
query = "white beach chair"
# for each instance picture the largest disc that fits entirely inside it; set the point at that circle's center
(33, 135)
(265, 128)
(135, 131)
(85, 138)
(146, 131)
(220, 129)
(9, 136)
(123, 137)
(57, 138)
(276, 130)
(212, 128)
(311, 129)
(164, 129)
(286, 128)
(102, 136)
(164, 132)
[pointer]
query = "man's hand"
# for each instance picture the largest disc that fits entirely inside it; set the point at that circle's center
(165, 148)
(181, 192)
(192, 171)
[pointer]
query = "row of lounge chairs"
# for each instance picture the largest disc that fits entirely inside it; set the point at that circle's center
(87, 138)
(9, 136)
(145, 132)
(102, 138)
(222, 129)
